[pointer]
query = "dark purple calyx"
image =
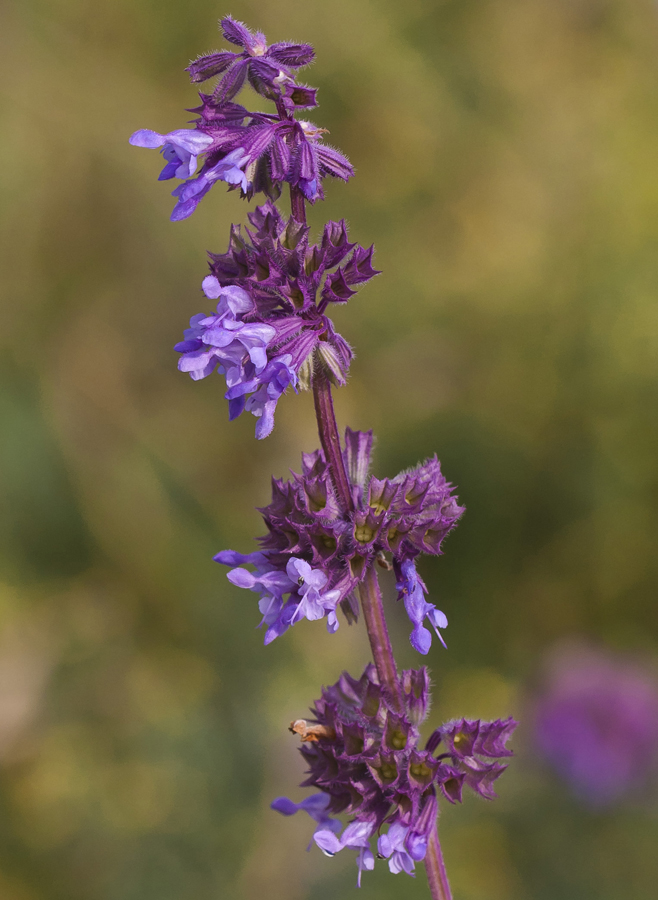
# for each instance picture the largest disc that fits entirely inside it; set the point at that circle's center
(266, 68)
(289, 279)
(474, 748)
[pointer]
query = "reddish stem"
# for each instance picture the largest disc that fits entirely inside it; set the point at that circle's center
(380, 642)
(371, 598)
(436, 870)
(297, 204)
(328, 430)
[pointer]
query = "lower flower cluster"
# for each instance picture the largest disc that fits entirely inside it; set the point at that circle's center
(365, 758)
(316, 554)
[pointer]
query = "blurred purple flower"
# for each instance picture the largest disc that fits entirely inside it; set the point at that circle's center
(597, 722)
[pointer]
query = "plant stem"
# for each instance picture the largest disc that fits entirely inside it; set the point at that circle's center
(371, 597)
(328, 431)
(436, 870)
(324, 404)
(380, 643)
(297, 204)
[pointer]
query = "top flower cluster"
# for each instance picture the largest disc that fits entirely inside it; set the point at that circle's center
(256, 152)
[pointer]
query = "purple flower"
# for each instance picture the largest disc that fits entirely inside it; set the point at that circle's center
(597, 723)
(255, 151)
(223, 339)
(316, 805)
(274, 148)
(412, 589)
(366, 759)
(305, 586)
(268, 388)
(229, 169)
(238, 348)
(267, 68)
(266, 581)
(392, 846)
(278, 336)
(357, 837)
(180, 148)
(273, 151)
(314, 604)
(293, 280)
(421, 826)
(305, 523)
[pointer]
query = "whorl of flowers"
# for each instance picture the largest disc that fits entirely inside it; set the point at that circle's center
(332, 549)
(255, 152)
(367, 760)
(270, 329)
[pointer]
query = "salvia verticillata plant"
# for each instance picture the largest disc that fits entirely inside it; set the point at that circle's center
(329, 528)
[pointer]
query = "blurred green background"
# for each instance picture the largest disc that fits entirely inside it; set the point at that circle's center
(507, 170)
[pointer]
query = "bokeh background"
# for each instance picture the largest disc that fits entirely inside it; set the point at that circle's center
(507, 170)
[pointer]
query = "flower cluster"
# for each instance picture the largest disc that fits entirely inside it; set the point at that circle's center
(597, 723)
(404, 516)
(256, 152)
(364, 756)
(270, 329)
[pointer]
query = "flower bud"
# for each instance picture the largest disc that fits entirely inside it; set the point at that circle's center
(331, 363)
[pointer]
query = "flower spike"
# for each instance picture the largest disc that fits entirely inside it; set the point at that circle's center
(333, 525)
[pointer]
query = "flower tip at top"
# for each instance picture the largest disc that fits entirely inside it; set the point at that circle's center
(256, 152)
(294, 55)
